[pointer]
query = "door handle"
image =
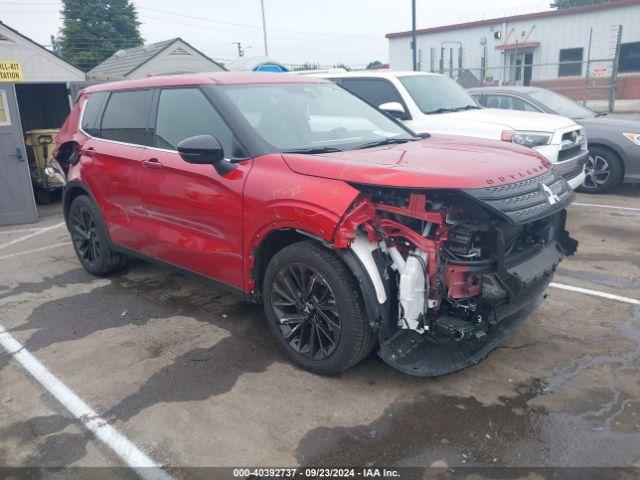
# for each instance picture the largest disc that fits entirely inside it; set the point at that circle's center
(18, 154)
(152, 164)
(88, 152)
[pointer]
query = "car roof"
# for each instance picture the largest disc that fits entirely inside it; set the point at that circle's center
(208, 78)
(376, 73)
(505, 89)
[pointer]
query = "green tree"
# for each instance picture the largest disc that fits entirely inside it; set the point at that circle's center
(93, 30)
(374, 64)
(562, 4)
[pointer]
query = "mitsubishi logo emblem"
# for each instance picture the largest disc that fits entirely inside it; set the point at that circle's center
(552, 198)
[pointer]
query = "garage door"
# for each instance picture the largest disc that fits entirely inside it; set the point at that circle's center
(16, 195)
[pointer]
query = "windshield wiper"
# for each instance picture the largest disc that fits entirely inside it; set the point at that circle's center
(386, 141)
(440, 110)
(601, 114)
(466, 107)
(313, 150)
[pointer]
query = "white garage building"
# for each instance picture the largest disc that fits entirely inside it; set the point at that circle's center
(168, 57)
(33, 95)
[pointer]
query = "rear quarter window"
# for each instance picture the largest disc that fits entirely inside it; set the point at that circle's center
(93, 112)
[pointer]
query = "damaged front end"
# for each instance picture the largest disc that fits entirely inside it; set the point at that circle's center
(453, 270)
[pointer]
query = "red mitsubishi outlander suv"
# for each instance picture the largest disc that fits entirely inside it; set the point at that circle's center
(350, 229)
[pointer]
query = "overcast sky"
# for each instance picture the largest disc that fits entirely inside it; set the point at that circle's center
(323, 31)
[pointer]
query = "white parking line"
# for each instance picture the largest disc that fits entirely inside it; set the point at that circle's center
(595, 293)
(597, 205)
(26, 237)
(120, 445)
(35, 250)
(20, 230)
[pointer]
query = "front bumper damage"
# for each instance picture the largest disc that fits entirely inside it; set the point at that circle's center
(435, 312)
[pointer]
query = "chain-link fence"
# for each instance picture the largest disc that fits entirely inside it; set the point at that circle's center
(597, 80)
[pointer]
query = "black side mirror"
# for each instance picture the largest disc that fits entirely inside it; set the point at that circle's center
(205, 149)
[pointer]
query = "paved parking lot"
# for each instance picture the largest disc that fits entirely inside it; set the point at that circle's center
(191, 377)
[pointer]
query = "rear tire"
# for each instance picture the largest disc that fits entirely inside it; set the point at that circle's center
(604, 171)
(313, 307)
(90, 239)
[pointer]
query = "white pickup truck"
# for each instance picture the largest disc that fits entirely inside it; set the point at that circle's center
(433, 103)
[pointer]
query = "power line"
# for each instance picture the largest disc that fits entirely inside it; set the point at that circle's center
(205, 19)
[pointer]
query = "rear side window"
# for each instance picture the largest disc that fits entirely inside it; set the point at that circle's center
(126, 117)
(92, 113)
(186, 112)
(373, 90)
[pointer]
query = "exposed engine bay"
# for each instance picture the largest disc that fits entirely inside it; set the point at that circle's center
(453, 268)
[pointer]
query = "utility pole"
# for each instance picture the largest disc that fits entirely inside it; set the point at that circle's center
(55, 46)
(414, 50)
(240, 49)
(264, 30)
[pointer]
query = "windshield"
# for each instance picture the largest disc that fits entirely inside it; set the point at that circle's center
(437, 94)
(561, 105)
(313, 117)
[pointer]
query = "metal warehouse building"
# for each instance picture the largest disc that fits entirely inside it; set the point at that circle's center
(558, 48)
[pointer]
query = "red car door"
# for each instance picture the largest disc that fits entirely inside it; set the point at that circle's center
(193, 215)
(112, 160)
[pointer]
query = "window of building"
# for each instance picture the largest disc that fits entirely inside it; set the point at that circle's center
(629, 57)
(92, 112)
(126, 116)
(570, 62)
(5, 120)
(186, 112)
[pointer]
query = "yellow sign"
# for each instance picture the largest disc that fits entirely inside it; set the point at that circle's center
(10, 71)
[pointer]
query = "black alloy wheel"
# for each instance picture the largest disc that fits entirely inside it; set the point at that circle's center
(306, 311)
(90, 238)
(314, 308)
(85, 237)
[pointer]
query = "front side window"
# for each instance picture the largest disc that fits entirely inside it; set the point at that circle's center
(508, 102)
(570, 62)
(126, 117)
(437, 94)
(374, 90)
(186, 112)
(308, 116)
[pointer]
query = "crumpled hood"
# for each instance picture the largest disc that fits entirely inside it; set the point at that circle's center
(436, 162)
(512, 119)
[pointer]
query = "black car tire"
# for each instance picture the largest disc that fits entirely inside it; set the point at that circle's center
(600, 182)
(90, 239)
(324, 269)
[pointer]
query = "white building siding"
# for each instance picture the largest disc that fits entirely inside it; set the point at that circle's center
(178, 58)
(38, 64)
(553, 33)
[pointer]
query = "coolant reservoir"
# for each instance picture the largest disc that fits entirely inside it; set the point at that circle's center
(412, 290)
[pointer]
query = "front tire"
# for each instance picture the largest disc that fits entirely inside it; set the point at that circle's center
(313, 307)
(90, 239)
(604, 171)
